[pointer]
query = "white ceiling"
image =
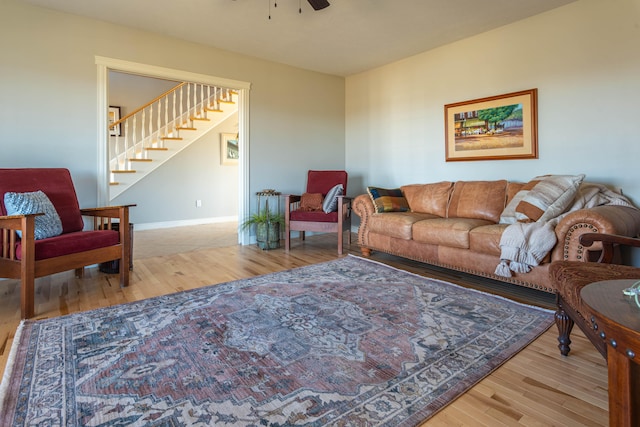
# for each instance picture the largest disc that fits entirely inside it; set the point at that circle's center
(348, 37)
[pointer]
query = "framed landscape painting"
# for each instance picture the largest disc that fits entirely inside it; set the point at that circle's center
(499, 127)
(229, 149)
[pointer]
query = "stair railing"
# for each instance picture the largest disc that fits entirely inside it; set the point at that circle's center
(147, 127)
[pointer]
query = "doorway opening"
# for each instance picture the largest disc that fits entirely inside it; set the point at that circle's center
(107, 65)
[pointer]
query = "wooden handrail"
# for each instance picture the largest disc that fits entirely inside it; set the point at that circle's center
(114, 124)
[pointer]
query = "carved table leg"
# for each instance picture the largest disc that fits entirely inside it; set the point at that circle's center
(565, 325)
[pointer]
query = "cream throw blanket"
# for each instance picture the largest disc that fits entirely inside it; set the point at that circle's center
(524, 245)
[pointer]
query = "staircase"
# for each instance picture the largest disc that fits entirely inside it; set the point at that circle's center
(143, 140)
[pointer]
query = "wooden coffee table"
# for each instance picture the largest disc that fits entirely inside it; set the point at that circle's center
(616, 318)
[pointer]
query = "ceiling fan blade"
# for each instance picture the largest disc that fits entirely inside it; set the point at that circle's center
(318, 4)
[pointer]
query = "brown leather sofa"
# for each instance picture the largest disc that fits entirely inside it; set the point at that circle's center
(457, 226)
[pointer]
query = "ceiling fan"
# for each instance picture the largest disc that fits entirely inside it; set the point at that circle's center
(318, 4)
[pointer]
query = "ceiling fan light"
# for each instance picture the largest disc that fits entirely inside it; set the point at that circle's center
(318, 4)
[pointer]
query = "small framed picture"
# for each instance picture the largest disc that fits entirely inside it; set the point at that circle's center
(229, 149)
(114, 116)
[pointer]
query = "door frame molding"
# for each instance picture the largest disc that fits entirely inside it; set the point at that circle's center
(105, 64)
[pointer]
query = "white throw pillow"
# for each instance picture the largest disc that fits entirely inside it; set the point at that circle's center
(330, 203)
(550, 197)
(47, 225)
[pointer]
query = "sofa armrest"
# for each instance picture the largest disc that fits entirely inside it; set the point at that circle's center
(363, 207)
(619, 220)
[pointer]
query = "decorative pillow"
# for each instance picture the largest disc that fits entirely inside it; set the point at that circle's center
(388, 200)
(508, 215)
(330, 203)
(311, 202)
(428, 198)
(47, 225)
(550, 196)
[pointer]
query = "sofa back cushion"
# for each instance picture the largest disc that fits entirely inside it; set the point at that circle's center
(428, 198)
(56, 183)
(478, 199)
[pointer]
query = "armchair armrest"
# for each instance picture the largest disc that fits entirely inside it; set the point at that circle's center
(102, 216)
(609, 243)
(8, 227)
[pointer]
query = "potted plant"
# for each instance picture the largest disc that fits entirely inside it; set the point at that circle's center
(267, 225)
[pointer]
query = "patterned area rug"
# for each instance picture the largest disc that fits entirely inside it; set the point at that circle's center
(347, 342)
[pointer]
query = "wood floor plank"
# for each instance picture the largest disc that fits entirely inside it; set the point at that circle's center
(537, 387)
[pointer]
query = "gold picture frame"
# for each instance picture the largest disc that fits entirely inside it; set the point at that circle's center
(229, 149)
(501, 127)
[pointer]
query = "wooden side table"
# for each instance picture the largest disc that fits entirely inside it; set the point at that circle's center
(616, 319)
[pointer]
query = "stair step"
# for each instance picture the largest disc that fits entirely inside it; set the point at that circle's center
(202, 119)
(114, 183)
(214, 110)
(124, 171)
(157, 149)
(186, 128)
(171, 138)
(140, 160)
(226, 102)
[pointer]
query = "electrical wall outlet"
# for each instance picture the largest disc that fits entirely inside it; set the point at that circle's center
(198, 203)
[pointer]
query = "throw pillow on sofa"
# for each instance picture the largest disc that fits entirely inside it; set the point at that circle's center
(47, 225)
(388, 200)
(549, 197)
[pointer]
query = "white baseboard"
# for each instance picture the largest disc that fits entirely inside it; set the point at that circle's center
(183, 223)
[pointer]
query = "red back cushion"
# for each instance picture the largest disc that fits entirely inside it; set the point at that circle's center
(56, 183)
(323, 181)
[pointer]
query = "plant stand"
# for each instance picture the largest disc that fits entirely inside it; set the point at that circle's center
(268, 234)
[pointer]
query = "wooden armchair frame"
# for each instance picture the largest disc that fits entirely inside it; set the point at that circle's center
(27, 269)
(319, 181)
(571, 276)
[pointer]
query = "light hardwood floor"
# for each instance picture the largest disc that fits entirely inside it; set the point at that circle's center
(537, 387)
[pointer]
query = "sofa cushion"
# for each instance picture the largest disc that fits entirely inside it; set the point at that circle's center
(388, 200)
(56, 183)
(453, 232)
(550, 196)
(428, 198)
(396, 224)
(478, 199)
(47, 225)
(71, 243)
(486, 239)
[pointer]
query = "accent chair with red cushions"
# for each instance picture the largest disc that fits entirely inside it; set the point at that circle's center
(322, 208)
(43, 232)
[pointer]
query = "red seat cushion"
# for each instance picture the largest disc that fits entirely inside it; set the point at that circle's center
(71, 243)
(314, 216)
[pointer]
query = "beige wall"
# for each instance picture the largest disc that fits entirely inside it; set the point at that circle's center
(48, 113)
(584, 58)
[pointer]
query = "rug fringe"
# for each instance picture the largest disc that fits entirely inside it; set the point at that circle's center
(8, 369)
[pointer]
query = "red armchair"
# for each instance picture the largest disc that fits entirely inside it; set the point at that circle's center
(298, 218)
(24, 257)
